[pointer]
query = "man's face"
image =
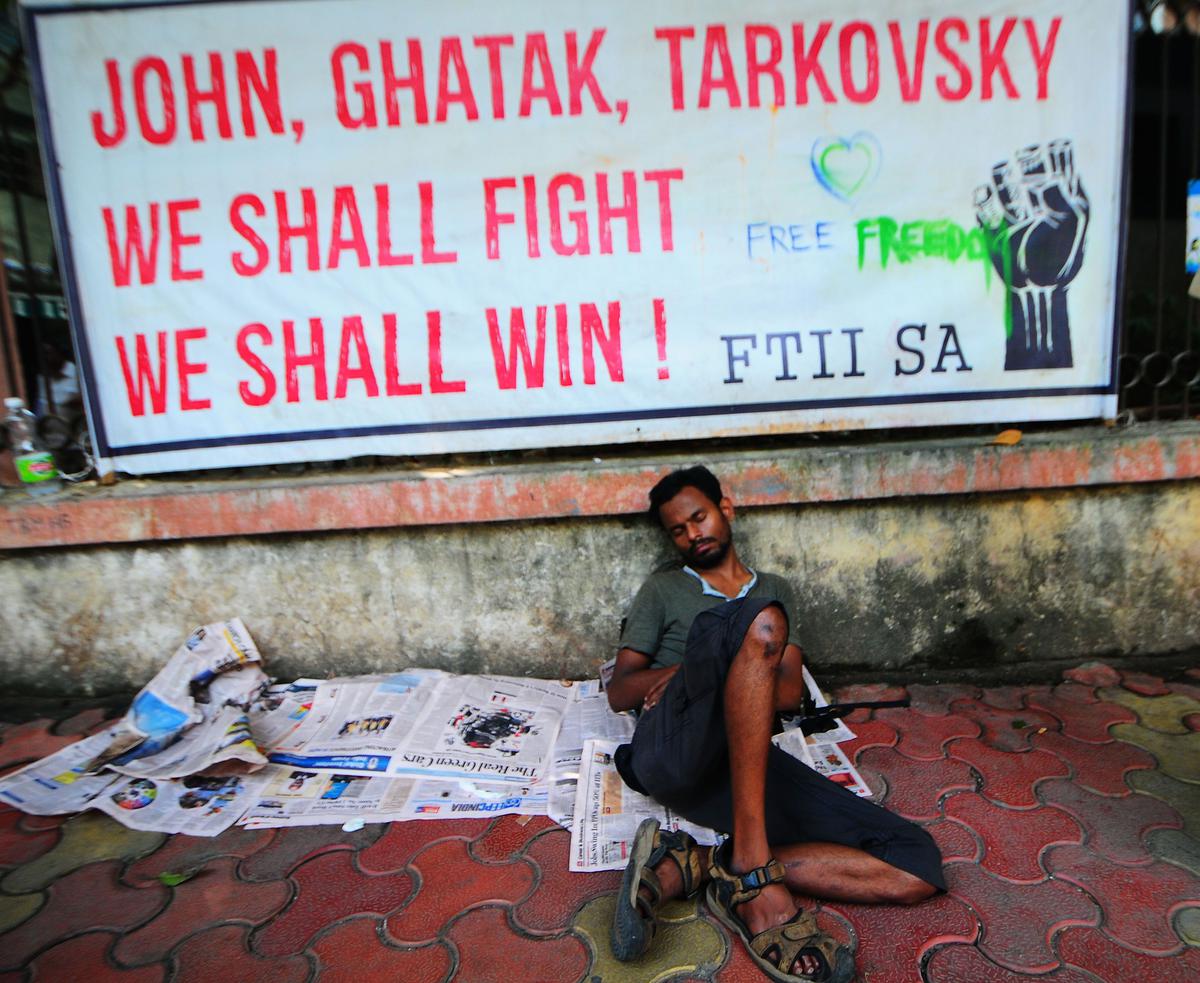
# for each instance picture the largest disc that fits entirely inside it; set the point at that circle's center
(699, 527)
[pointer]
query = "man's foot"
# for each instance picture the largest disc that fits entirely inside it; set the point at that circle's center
(662, 865)
(781, 938)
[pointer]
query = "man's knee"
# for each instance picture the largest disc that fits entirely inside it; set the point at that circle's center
(907, 888)
(767, 635)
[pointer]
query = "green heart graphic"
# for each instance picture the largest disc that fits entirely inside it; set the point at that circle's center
(844, 167)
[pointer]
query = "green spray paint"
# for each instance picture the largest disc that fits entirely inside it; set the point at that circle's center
(904, 242)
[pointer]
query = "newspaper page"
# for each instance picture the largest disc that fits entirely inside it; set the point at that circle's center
(608, 813)
(195, 805)
(826, 759)
(357, 725)
(280, 710)
(491, 728)
(217, 665)
(61, 783)
(300, 797)
(588, 715)
(224, 742)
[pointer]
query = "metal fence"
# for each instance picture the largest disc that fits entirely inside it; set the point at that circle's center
(1159, 365)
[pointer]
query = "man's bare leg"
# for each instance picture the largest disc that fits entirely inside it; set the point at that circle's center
(749, 714)
(823, 870)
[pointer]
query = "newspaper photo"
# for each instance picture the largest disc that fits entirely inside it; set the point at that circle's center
(825, 759)
(608, 813)
(491, 728)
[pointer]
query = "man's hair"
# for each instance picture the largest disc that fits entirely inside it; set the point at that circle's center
(699, 477)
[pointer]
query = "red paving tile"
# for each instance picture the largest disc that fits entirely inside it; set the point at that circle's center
(966, 964)
(489, 951)
(893, 938)
(925, 738)
(1004, 697)
(1090, 949)
(508, 836)
(935, 700)
(85, 899)
(1084, 721)
(1006, 730)
(870, 733)
(84, 957)
(1115, 825)
(291, 847)
(329, 887)
(401, 842)
(19, 846)
(33, 824)
(1099, 767)
(29, 742)
(1069, 691)
(1019, 920)
(222, 954)
(954, 841)
(452, 881)
(182, 854)
(1093, 674)
(1192, 721)
(84, 722)
(1008, 778)
(354, 952)
(1144, 684)
(1136, 900)
(1013, 840)
(915, 788)
(560, 893)
(213, 895)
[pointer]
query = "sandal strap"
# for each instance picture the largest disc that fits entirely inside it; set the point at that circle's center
(683, 849)
(738, 888)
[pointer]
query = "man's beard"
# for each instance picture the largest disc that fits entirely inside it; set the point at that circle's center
(709, 559)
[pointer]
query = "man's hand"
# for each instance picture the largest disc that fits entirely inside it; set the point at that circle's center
(654, 694)
(634, 682)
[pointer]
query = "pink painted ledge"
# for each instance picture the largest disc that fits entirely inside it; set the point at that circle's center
(144, 511)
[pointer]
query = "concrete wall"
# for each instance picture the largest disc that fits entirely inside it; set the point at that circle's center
(935, 580)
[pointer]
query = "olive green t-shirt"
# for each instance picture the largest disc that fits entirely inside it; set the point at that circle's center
(663, 610)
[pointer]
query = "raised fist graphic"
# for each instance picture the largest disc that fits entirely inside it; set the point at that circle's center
(1036, 213)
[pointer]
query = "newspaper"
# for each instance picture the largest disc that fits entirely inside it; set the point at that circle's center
(358, 725)
(430, 723)
(492, 728)
(196, 805)
(825, 759)
(299, 797)
(61, 784)
(608, 813)
(588, 715)
(181, 722)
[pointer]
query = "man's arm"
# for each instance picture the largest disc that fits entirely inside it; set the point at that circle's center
(634, 683)
(789, 688)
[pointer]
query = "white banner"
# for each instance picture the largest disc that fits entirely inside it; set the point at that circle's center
(310, 229)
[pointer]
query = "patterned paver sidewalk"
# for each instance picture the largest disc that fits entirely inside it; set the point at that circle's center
(1069, 817)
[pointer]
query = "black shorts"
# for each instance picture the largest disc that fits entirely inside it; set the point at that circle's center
(679, 756)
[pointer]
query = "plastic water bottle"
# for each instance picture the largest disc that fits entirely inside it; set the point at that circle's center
(35, 464)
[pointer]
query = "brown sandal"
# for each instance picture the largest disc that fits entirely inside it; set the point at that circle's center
(776, 949)
(635, 919)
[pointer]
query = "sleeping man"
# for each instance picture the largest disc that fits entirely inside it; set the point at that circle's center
(708, 655)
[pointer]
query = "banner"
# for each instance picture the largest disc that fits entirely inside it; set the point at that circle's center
(307, 229)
